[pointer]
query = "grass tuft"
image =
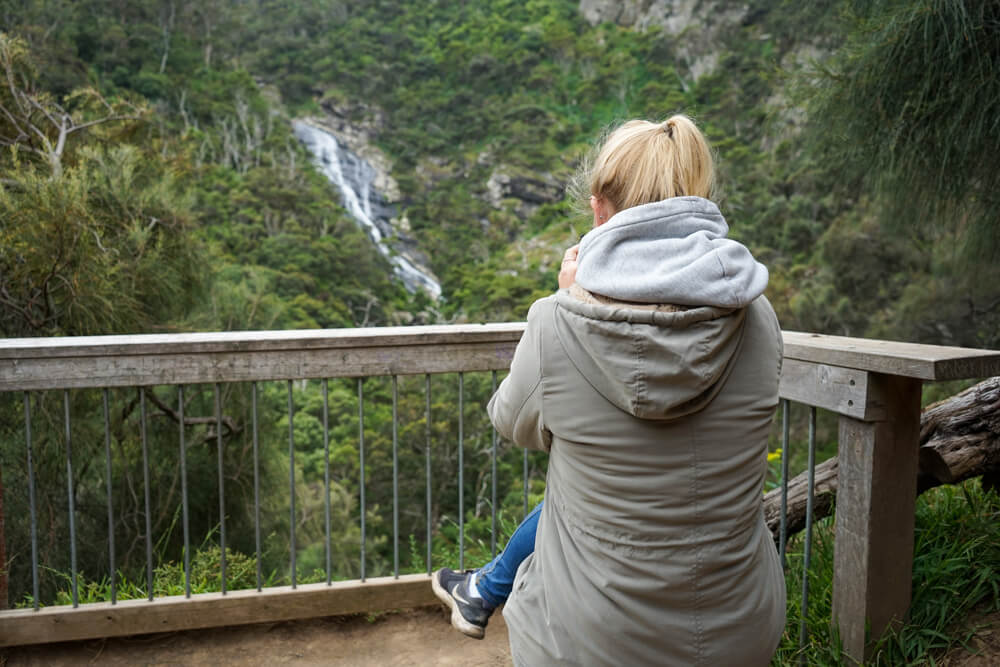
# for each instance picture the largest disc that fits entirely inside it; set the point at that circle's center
(956, 569)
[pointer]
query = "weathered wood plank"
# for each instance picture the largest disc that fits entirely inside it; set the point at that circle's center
(49, 363)
(239, 366)
(873, 547)
(841, 390)
(257, 341)
(131, 617)
(925, 362)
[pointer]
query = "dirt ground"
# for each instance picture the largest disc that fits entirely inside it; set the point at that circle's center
(403, 639)
(417, 637)
(984, 646)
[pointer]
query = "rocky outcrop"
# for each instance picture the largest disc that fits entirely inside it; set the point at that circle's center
(695, 25)
(673, 16)
(356, 125)
(532, 190)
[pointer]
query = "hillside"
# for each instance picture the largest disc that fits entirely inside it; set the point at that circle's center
(479, 114)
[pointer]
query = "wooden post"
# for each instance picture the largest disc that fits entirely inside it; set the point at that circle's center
(873, 549)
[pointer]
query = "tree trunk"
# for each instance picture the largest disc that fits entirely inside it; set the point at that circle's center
(798, 495)
(959, 439)
(960, 436)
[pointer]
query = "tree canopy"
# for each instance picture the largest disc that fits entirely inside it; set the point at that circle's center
(911, 105)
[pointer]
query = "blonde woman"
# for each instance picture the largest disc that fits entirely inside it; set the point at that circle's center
(651, 378)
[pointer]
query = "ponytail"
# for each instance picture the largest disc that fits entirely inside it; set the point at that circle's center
(642, 162)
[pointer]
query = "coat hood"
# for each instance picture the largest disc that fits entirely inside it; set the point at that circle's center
(650, 363)
(671, 251)
(659, 363)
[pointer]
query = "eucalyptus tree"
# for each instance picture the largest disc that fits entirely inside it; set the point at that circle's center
(910, 105)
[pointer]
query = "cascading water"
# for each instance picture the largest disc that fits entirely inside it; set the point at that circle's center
(354, 179)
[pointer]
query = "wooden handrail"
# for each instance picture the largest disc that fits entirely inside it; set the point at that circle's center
(255, 341)
(116, 361)
(105, 361)
(913, 360)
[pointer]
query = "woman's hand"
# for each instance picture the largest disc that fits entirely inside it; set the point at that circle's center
(567, 272)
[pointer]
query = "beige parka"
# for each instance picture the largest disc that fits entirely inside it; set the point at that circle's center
(651, 547)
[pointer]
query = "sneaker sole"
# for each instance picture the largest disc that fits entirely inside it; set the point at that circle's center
(457, 620)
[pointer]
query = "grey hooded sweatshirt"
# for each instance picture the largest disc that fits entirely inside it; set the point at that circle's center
(652, 383)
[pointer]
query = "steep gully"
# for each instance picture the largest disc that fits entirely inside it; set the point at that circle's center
(354, 179)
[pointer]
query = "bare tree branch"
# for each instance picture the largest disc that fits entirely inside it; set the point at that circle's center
(33, 115)
(230, 423)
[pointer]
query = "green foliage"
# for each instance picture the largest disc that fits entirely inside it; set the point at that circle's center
(955, 566)
(909, 104)
(104, 245)
(168, 579)
(456, 92)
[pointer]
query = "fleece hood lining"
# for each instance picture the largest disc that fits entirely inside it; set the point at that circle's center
(673, 251)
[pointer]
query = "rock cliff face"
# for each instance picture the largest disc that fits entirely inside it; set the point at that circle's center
(696, 25)
(358, 136)
(673, 16)
(528, 190)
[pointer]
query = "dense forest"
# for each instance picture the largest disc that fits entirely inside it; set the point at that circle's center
(151, 181)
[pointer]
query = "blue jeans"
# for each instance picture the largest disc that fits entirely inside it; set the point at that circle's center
(495, 580)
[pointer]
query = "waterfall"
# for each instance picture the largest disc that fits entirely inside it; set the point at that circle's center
(355, 179)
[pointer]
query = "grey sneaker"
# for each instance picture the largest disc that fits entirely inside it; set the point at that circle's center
(469, 615)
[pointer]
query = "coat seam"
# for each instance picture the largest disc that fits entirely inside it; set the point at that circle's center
(640, 377)
(697, 565)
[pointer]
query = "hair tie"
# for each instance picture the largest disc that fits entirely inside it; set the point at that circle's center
(668, 128)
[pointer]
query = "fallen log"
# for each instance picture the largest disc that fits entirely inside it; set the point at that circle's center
(960, 436)
(959, 440)
(798, 495)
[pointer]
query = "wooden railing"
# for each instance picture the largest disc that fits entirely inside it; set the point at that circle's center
(874, 386)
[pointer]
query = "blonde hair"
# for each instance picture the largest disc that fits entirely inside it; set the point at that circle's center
(642, 162)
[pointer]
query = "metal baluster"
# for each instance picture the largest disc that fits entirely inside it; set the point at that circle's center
(326, 475)
(31, 503)
(69, 490)
(291, 480)
(361, 452)
(461, 480)
(184, 494)
(145, 479)
(222, 487)
(256, 482)
(111, 514)
(395, 478)
(809, 521)
(493, 473)
(427, 458)
(783, 533)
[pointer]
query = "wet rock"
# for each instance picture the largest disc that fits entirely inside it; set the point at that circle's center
(532, 190)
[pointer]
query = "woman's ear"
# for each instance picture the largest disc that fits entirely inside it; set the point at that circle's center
(598, 205)
(602, 208)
